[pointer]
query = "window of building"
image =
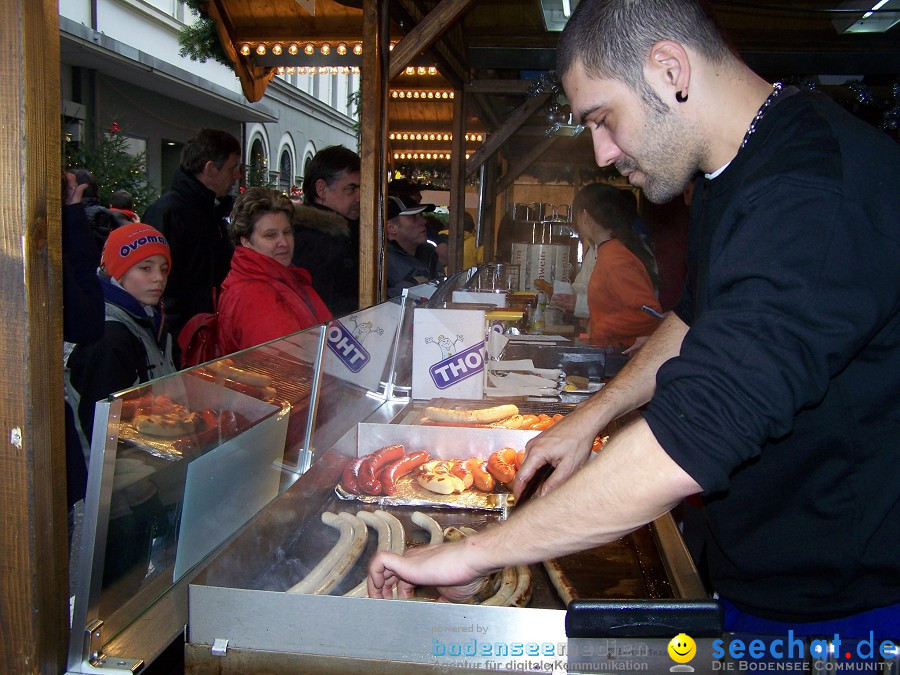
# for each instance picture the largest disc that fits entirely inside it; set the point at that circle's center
(257, 171)
(285, 171)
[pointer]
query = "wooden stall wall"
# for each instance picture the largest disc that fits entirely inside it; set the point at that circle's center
(33, 549)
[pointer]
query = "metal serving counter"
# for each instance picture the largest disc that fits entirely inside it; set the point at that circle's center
(223, 524)
(238, 597)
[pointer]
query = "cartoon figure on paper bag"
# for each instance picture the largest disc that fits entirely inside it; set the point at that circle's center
(362, 330)
(447, 347)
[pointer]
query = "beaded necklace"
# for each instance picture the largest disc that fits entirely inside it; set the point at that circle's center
(776, 89)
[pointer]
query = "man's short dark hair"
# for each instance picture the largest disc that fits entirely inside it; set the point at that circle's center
(121, 199)
(328, 164)
(209, 145)
(612, 38)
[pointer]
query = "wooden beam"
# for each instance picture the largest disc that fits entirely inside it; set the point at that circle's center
(512, 87)
(527, 160)
(450, 70)
(451, 63)
(457, 184)
(425, 33)
(485, 111)
(373, 151)
(488, 207)
(34, 561)
(254, 79)
(497, 138)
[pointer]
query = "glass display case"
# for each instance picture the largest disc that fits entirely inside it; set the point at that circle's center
(181, 463)
(207, 489)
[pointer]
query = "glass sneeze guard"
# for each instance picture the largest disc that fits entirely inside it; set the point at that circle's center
(177, 466)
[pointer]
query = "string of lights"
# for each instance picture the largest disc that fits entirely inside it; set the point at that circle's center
(431, 136)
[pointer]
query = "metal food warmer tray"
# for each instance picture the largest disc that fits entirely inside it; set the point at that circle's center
(242, 620)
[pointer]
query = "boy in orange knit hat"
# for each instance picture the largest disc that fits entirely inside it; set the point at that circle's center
(135, 346)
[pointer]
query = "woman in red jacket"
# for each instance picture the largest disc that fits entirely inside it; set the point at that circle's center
(263, 297)
(621, 282)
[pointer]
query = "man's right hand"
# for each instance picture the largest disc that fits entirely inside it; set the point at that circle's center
(565, 446)
(72, 191)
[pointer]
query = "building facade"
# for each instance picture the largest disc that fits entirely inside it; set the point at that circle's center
(120, 62)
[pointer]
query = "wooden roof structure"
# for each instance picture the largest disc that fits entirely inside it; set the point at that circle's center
(456, 78)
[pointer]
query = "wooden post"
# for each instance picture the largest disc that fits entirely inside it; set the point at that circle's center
(372, 150)
(488, 208)
(33, 564)
(457, 183)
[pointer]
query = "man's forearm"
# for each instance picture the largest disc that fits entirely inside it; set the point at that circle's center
(632, 482)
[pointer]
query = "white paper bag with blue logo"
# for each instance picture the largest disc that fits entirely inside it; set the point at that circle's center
(359, 345)
(448, 353)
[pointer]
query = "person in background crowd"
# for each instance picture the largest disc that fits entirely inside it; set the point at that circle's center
(434, 248)
(326, 228)
(122, 205)
(135, 346)
(191, 215)
(102, 220)
(410, 193)
(436, 237)
(639, 227)
(773, 385)
(621, 280)
(405, 233)
(670, 238)
(83, 314)
(263, 297)
(472, 254)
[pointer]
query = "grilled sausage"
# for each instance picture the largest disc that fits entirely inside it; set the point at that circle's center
(336, 574)
(502, 465)
(350, 475)
(479, 416)
(373, 464)
(480, 475)
(392, 472)
(311, 581)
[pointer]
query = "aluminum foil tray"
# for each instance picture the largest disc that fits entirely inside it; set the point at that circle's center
(410, 493)
(159, 447)
(440, 443)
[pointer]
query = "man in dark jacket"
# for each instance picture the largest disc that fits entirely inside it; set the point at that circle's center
(191, 215)
(326, 228)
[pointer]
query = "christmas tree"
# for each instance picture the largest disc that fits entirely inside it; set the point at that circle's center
(114, 167)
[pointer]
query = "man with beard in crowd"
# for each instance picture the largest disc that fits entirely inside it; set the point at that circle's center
(773, 385)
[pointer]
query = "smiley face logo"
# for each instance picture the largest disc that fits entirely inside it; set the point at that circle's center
(682, 648)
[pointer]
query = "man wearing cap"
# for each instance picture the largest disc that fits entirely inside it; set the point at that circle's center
(433, 252)
(405, 232)
(135, 346)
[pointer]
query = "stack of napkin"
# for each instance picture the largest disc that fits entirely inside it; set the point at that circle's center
(520, 377)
